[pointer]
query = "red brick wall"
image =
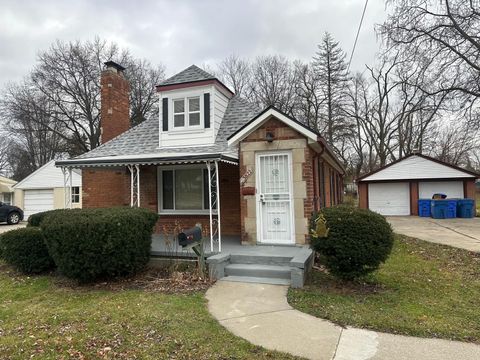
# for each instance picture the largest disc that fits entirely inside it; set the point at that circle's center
(105, 188)
(413, 197)
(469, 191)
(115, 114)
(363, 195)
(307, 176)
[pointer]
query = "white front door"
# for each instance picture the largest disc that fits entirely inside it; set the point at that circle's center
(274, 198)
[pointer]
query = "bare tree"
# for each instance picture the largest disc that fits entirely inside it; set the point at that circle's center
(236, 73)
(68, 76)
(310, 99)
(274, 83)
(143, 77)
(4, 154)
(445, 31)
(31, 127)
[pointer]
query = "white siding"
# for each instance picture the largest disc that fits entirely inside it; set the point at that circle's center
(389, 198)
(197, 137)
(417, 167)
(453, 189)
(220, 103)
(185, 137)
(47, 177)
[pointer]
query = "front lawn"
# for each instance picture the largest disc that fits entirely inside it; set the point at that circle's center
(423, 289)
(43, 318)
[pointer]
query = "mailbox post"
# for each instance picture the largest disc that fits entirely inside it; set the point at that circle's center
(192, 239)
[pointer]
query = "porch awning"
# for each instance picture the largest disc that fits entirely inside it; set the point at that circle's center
(147, 159)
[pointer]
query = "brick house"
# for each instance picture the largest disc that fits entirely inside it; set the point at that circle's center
(269, 170)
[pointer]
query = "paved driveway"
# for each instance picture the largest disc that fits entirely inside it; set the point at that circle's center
(4, 227)
(461, 233)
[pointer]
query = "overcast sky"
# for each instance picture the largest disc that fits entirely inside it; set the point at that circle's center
(184, 32)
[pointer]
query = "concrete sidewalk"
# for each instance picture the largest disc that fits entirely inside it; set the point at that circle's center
(261, 314)
(461, 233)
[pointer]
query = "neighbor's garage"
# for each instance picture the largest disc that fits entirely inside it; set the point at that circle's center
(396, 188)
(36, 201)
(44, 190)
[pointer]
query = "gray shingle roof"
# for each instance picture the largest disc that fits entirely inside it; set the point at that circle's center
(143, 138)
(192, 73)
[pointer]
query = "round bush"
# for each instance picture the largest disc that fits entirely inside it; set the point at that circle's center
(358, 241)
(36, 219)
(25, 250)
(88, 244)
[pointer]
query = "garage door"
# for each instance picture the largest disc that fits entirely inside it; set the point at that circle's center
(37, 200)
(389, 198)
(453, 189)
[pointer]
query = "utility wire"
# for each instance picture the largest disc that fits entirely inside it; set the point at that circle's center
(356, 37)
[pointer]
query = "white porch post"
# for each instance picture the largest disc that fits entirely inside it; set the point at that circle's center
(67, 187)
(217, 183)
(210, 203)
(134, 185)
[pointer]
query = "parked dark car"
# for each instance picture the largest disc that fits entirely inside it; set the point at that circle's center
(10, 214)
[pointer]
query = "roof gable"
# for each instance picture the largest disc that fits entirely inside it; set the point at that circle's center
(46, 177)
(190, 74)
(261, 118)
(417, 166)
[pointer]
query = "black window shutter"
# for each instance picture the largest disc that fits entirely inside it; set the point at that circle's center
(165, 114)
(206, 109)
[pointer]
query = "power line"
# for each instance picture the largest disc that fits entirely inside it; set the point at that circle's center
(356, 37)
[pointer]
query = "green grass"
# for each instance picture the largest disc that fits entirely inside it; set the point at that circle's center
(41, 319)
(423, 289)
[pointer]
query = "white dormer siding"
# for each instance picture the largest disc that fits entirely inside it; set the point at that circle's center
(220, 100)
(188, 135)
(193, 133)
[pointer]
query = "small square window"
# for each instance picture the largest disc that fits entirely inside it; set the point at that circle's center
(75, 194)
(179, 106)
(194, 104)
(179, 120)
(194, 119)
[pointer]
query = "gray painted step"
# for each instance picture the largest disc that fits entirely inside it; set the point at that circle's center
(258, 270)
(259, 259)
(258, 280)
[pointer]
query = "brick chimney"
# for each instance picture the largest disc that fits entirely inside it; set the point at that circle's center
(115, 107)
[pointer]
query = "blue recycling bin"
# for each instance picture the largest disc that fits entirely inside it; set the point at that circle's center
(444, 209)
(424, 207)
(465, 208)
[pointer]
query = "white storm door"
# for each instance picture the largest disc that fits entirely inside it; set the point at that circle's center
(274, 198)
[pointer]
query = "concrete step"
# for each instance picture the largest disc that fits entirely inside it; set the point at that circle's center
(260, 259)
(258, 270)
(258, 280)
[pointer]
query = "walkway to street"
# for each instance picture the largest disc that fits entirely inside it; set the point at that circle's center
(261, 314)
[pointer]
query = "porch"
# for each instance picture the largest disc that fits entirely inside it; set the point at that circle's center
(268, 264)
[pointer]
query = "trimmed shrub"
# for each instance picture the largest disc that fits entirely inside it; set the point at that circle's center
(25, 250)
(88, 244)
(358, 241)
(36, 219)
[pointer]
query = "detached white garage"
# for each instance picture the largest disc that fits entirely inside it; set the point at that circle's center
(43, 190)
(396, 188)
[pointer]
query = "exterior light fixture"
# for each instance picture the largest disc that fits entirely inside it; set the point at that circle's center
(269, 136)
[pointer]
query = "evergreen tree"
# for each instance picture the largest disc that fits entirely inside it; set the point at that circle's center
(331, 74)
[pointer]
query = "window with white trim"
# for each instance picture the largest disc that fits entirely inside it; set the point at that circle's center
(7, 198)
(187, 112)
(184, 190)
(75, 194)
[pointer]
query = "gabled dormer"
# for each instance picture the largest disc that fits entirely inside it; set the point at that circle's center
(192, 105)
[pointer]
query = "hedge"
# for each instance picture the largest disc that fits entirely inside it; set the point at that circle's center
(36, 219)
(358, 241)
(88, 244)
(25, 250)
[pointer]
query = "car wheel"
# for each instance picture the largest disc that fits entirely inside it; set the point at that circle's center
(13, 218)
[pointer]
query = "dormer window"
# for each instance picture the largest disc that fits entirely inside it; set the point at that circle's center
(186, 112)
